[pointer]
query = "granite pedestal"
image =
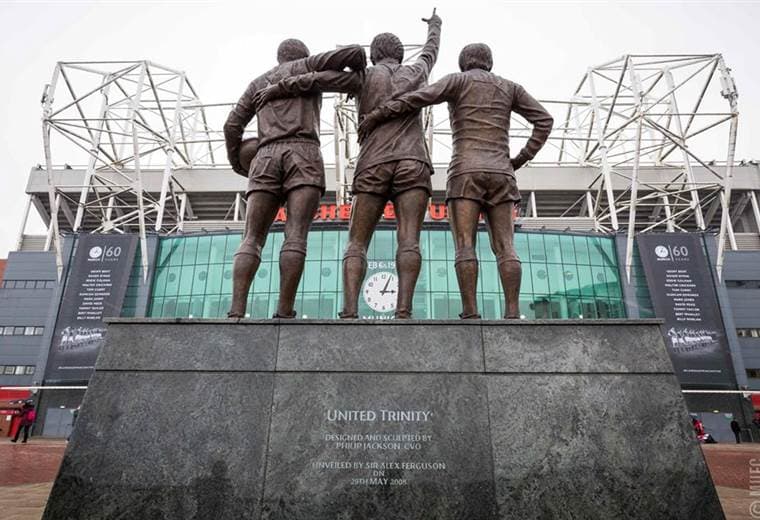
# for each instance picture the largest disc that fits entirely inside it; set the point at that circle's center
(337, 420)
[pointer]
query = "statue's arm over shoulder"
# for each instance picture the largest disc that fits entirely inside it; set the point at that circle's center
(351, 56)
(527, 106)
(445, 89)
(310, 83)
(237, 120)
(326, 81)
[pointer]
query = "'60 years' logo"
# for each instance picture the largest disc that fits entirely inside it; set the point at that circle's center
(97, 252)
(670, 252)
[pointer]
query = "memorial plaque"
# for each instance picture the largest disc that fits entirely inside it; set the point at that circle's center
(379, 446)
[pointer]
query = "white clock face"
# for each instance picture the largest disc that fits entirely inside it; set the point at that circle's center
(380, 291)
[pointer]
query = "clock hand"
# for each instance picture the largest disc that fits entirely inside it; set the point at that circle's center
(385, 289)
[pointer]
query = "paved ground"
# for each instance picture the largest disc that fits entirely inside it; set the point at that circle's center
(730, 466)
(27, 472)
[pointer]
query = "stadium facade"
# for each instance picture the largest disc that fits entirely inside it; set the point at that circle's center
(620, 219)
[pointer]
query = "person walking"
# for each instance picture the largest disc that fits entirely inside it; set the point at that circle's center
(28, 416)
(737, 431)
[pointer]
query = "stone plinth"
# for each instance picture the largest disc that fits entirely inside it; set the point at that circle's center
(326, 420)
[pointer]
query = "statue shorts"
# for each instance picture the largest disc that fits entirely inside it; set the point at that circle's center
(394, 177)
(490, 189)
(284, 165)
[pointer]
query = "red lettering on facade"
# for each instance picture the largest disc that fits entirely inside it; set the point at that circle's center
(327, 212)
(437, 211)
(281, 215)
(344, 211)
(389, 212)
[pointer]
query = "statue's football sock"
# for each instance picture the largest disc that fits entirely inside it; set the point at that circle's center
(510, 272)
(466, 266)
(354, 269)
(292, 258)
(244, 267)
(408, 264)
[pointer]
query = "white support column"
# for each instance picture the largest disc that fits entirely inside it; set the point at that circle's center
(592, 209)
(669, 225)
(339, 138)
(635, 173)
(137, 185)
(728, 92)
(94, 154)
(191, 146)
(182, 209)
(606, 170)
(170, 155)
(24, 220)
(430, 130)
(755, 209)
(236, 216)
(695, 203)
(52, 230)
(731, 236)
(532, 205)
(53, 234)
(109, 211)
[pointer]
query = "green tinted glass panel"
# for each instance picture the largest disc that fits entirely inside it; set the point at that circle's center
(581, 250)
(218, 248)
(536, 247)
(553, 249)
(191, 247)
(564, 276)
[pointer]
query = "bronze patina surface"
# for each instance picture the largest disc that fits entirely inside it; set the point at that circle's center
(393, 162)
(481, 174)
(287, 168)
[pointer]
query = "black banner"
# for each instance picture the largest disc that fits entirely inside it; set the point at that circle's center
(97, 282)
(682, 291)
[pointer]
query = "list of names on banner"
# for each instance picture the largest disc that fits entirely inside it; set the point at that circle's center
(683, 294)
(96, 289)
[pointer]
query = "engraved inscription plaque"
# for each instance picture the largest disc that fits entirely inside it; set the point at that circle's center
(379, 446)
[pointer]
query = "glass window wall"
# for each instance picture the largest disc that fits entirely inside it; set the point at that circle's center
(564, 276)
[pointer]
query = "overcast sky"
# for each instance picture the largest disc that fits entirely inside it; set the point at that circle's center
(545, 46)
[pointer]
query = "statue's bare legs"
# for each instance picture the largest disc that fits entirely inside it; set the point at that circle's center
(301, 205)
(410, 209)
(366, 211)
(262, 209)
(501, 233)
(463, 217)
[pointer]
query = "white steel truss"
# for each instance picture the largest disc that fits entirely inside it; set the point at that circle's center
(654, 110)
(631, 114)
(123, 117)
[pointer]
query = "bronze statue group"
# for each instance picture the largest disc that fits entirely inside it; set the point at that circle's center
(393, 165)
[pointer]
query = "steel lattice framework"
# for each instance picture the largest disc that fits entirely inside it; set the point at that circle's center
(649, 109)
(630, 112)
(124, 116)
(627, 115)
